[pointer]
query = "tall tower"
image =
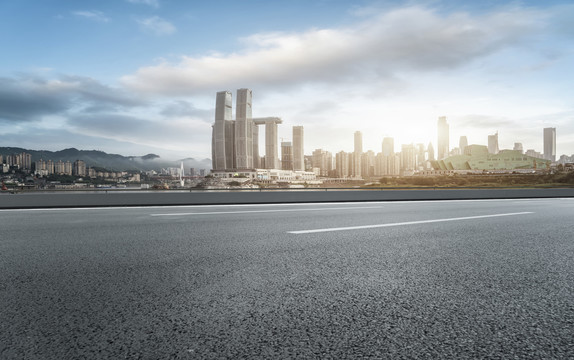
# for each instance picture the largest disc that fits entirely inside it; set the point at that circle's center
(286, 156)
(271, 148)
(462, 144)
(298, 154)
(223, 114)
(357, 153)
(408, 157)
(493, 143)
(244, 130)
(430, 151)
(550, 144)
(388, 146)
(443, 147)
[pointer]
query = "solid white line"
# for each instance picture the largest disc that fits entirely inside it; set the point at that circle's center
(404, 223)
(265, 211)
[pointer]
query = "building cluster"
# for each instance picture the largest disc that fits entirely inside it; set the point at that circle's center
(235, 150)
(79, 168)
(364, 164)
(23, 162)
(491, 157)
(235, 143)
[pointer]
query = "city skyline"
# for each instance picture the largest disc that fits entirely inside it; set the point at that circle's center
(136, 77)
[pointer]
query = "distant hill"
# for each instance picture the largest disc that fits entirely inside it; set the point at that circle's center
(115, 162)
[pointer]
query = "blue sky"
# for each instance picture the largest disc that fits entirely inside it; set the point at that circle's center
(139, 76)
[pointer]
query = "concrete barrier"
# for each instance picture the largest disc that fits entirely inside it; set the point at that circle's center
(102, 199)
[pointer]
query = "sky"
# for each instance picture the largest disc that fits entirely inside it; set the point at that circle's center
(140, 76)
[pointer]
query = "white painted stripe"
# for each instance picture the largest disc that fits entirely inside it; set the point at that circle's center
(404, 223)
(266, 211)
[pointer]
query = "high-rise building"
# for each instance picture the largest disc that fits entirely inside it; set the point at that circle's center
(443, 146)
(223, 144)
(244, 130)
(79, 168)
(235, 143)
(322, 160)
(421, 157)
(298, 154)
(68, 168)
(550, 144)
(462, 144)
(388, 146)
(493, 144)
(408, 157)
(286, 156)
(342, 161)
(357, 154)
(518, 147)
(271, 148)
(430, 151)
(368, 163)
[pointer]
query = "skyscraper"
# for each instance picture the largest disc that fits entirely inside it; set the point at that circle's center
(223, 145)
(443, 146)
(357, 154)
(271, 148)
(408, 157)
(462, 144)
(518, 147)
(421, 160)
(298, 154)
(430, 151)
(286, 155)
(550, 144)
(244, 130)
(342, 160)
(388, 146)
(493, 143)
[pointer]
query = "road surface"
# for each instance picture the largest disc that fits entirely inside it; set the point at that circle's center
(434, 279)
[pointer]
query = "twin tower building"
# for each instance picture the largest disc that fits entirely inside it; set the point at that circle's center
(235, 143)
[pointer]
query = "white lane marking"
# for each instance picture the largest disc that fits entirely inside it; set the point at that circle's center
(265, 211)
(405, 223)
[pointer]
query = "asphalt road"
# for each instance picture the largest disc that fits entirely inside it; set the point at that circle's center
(437, 279)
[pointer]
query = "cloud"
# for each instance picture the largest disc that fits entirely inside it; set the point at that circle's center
(483, 121)
(405, 39)
(157, 25)
(29, 98)
(183, 108)
(166, 133)
(92, 15)
(152, 3)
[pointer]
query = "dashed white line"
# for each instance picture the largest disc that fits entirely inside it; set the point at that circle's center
(405, 223)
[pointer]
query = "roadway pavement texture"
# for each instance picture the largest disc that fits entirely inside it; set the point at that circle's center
(433, 279)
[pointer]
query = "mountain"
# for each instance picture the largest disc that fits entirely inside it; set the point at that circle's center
(114, 162)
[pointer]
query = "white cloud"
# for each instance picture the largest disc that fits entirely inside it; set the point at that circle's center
(92, 15)
(157, 25)
(405, 39)
(152, 3)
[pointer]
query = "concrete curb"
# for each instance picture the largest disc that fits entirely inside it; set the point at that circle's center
(103, 199)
